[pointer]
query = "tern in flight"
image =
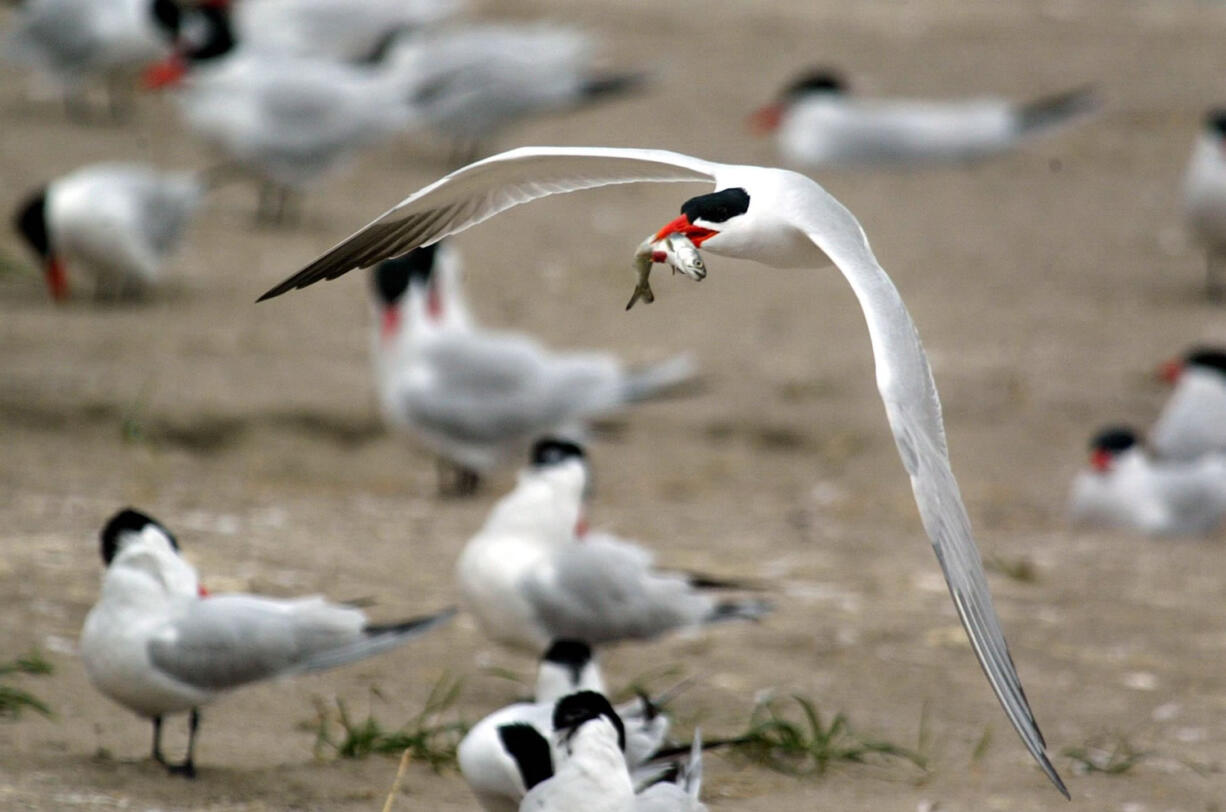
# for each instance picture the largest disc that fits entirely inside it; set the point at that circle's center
(775, 217)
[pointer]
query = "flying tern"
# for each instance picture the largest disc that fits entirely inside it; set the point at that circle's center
(1125, 488)
(778, 218)
(818, 123)
(115, 222)
(156, 645)
(479, 397)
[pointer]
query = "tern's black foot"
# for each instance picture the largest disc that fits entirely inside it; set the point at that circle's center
(186, 769)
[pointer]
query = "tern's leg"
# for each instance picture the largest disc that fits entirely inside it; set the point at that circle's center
(188, 768)
(470, 480)
(1214, 262)
(456, 480)
(157, 741)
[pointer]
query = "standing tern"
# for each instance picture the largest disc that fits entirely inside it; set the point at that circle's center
(486, 761)
(156, 645)
(1204, 197)
(114, 221)
(1193, 420)
(479, 397)
(817, 123)
(71, 42)
(284, 118)
(778, 218)
(529, 577)
(1126, 488)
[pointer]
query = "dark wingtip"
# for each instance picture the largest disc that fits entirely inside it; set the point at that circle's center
(415, 625)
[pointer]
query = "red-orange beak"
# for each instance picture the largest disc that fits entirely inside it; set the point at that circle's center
(165, 73)
(1170, 371)
(766, 119)
(1101, 459)
(390, 323)
(57, 278)
(682, 225)
(201, 591)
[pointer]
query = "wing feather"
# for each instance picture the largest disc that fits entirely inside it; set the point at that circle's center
(481, 190)
(913, 408)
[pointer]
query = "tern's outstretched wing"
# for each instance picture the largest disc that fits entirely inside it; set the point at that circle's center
(914, 412)
(478, 191)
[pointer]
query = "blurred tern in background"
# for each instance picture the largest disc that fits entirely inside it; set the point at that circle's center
(286, 119)
(155, 645)
(72, 42)
(340, 30)
(115, 222)
(818, 123)
(533, 573)
(567, 666)
(473, 82)
(777, 218)
(479, 397)
(1193, 421)
(1126, 488)
(1204, 198)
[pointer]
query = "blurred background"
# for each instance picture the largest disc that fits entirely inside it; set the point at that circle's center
(1047, 283)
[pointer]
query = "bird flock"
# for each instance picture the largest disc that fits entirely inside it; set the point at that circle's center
(286, 92)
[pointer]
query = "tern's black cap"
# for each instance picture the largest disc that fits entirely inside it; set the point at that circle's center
(30, 220)
(1115, 439)
(553, 451)
(127, 520)
(717, 207)
(392, 276)
(1215, 120)
(1208, 357)
(530, 750)
(574, 710)
(571, 654)
(817, 80)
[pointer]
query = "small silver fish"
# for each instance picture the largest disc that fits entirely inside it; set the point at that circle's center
(676, 251)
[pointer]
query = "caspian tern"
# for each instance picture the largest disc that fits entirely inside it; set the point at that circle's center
(1204, 197)
(156, 645)
(340, 30)
(478, 398)
(819, 124)
(115, 222)
(590, 772)
(287, 119)
(1193, 420)
(529, 578)
(567, 667)
(1127, 489)
(473, 82)
(71, 42)
(778, 218)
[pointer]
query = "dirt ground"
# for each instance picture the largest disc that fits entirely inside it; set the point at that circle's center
(1047, 284)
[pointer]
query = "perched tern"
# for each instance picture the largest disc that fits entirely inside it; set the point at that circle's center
(588, 746)
(71, 42)
(533, 573)
(778, 218)
(286, 119)
(473, 82)
(1193, 421)
(156, 645)
(1126, 488)
(817, 123)
(479, 397)
(115, 222)
(486, 761)
(1204, 197)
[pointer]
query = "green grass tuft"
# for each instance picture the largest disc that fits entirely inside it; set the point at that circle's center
(13, 700)
(427, 737)
(1109, 754)
(810, 746)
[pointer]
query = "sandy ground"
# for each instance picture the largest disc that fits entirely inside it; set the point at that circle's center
(1046, 283)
